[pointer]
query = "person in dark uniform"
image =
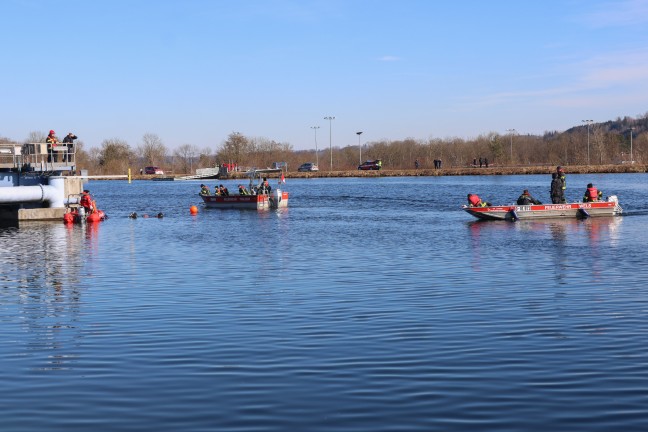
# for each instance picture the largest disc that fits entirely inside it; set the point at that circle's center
(69, 142)
(556, 191)
(563, 183)
(527, 199)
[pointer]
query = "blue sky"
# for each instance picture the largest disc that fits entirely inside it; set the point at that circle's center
(194, 71)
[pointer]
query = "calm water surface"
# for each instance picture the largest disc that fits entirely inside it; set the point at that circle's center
(367, 305)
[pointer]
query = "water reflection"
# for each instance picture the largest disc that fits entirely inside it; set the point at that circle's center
(45, 291)
(554, 239)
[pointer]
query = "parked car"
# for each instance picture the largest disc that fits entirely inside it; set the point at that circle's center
(153, 170)
(371, 165)
(308, 166)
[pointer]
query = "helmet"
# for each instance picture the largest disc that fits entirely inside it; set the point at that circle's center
(52, 132)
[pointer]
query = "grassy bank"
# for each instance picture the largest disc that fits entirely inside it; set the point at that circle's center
(508, 170)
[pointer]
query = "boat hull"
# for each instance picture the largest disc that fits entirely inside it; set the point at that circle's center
(247, 202)
(547, 211)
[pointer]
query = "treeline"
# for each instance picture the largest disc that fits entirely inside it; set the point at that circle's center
(605, 143)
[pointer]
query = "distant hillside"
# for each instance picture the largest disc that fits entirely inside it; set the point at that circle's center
(620, 125)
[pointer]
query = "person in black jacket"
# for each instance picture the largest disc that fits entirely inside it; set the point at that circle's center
(560, 173)
(527, 199)
(69, 141)
(556, 192)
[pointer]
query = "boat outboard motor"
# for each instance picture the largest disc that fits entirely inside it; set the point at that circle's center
(82, 214)
(513, 215)
(275, 198)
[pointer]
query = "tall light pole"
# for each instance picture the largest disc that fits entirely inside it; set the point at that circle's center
(359, 146)
(330, 119)
(589, 122)
(316, 153)
(631, 159)
(511, 132)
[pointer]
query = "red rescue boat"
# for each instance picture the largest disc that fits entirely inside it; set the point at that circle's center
(610, 207)
(257, 199)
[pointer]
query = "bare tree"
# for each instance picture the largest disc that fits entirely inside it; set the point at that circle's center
(206, 158)
(36, 137)
(185, 156)
(152, 150)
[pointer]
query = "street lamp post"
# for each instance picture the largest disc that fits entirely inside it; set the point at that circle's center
(316, 152)
(631, 158)
(511, 132)
(589, 122)
(330, 119)
(359, 146)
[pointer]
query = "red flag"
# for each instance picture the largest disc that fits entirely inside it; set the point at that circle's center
(283, 179)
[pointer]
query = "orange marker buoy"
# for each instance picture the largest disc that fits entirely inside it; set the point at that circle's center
(193, 210)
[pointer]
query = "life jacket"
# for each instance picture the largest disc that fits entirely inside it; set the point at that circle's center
(86, 201)
(475, 201)
(592, 194)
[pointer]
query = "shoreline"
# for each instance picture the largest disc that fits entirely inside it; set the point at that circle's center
(465, 171)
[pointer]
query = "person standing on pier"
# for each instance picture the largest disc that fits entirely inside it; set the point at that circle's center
(51, 141)
(69, 141)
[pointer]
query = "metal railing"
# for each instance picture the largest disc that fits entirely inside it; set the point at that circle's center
(39, 156)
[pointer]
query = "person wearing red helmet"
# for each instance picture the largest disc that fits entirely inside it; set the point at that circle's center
(52, 142)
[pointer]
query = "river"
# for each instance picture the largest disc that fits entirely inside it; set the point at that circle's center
(369, 304)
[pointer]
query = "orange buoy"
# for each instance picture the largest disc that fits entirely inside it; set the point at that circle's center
(193, 210)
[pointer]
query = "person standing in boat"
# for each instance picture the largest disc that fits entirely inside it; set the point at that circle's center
(556, 191)
(527, 199)
(86, 201)
(563, 183)
(592, 194)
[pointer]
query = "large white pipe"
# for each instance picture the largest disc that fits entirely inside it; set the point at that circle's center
(51, 194)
